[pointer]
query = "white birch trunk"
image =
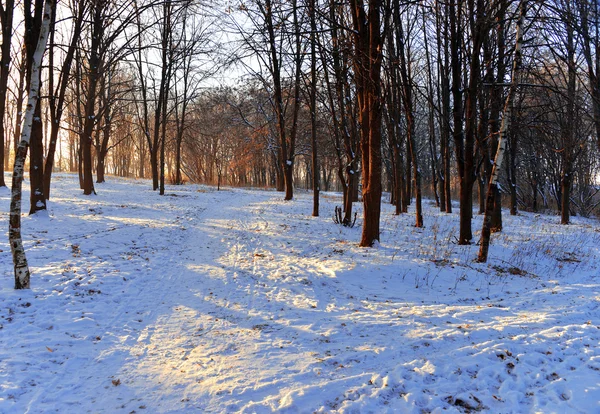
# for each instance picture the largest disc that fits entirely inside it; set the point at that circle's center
(506, 115)
(22, 274)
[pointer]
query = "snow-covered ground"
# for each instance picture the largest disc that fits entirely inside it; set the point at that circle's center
(205, 301)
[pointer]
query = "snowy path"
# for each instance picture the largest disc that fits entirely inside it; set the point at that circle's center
(205, 301)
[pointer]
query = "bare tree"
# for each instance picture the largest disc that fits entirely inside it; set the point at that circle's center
(407, 95)
(6, 20)
(313, 105)
(57, 97)
(492, 190)
(33, 18)
(21, 267)
(368, 44)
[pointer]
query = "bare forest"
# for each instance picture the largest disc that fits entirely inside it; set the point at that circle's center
(258, 206)
(489, 104)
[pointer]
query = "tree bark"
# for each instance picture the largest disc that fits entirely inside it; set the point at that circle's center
(368, 45)
(286, 150)
(93, 74)
(568, 128)
(6, 19)
(506, 118)
(21, 267)
(431, 119)
(407, 82)
(37, 200)
(57, 100)
(313, 106)
(444, 97)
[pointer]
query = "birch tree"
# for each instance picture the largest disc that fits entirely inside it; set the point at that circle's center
(506, 117)
(21, 267)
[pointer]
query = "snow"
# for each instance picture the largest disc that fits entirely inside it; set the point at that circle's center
(236, 301)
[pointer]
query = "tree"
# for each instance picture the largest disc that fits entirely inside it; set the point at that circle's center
(368, 47)
(407, 95)
(57, 97)
(442, 26)
(188, 75)
(589, 29)
(492, 190)
(21, 267)
(109, 43)
(342, 106)
(33, 22)
(273, 25)
(6, 20)
(313, 105)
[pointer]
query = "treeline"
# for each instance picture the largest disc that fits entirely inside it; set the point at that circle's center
(489, 103)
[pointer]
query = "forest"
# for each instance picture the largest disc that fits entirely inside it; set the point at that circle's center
(489, 102)
(299, 206)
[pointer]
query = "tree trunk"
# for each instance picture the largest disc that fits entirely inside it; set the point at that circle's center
(512, 181)
(565, 199)
(21, 267)
(288, 174)
(444, 98)
(431, 119)
(481, 194)
(178, 178)
(100, 168)
(102, 151)
(346, 123)
(568, 128)
(154, 165)
(36, 163)
(465, 145)
(368, 44)
(589, 15)
(36, 157)
(457, 94)
(93, 71)
(506, 118)
(496, 93)
(407, 82)
(20, 99)
(399, 179)
(279, 180)
(6, 19)
(167, 50)
(285, 150)
(313, 106)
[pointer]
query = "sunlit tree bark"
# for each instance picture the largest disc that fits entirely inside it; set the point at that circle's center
(21, 267)
(368, 46)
